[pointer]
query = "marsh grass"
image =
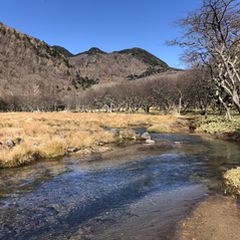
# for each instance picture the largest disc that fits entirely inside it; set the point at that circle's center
(232, 181)
(50, 135)
(161, 128)
(218, 124)
(173, 125)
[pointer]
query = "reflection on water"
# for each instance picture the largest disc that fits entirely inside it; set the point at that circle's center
(27, 178)
(136, 192)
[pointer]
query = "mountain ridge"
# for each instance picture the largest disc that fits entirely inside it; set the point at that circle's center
(30, 69)
(127, 64)
(137, 52)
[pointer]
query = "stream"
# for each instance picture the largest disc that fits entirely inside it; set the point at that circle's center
(137, 191)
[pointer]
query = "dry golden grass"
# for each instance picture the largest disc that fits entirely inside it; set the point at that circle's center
(161, 127)
(48, 135)
(174, 125)
(232, 181)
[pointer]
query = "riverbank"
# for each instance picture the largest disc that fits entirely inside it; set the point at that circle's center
(215, 219)
(218, 127)
(27, 137)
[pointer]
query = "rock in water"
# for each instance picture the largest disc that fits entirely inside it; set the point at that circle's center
(150, 141)
(146, 136)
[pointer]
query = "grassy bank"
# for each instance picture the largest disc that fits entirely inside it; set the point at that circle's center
(218, 126)
(49, 135)
(232, 181)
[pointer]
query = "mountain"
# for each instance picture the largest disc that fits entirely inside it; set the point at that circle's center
(27, 62)
(144, 56)
(128, 64)
(63, 51)
(92, 51)
(29, 66)
(33, 71)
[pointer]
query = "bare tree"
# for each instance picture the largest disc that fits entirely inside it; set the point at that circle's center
(212, 37)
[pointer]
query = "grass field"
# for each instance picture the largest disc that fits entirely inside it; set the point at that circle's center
(49, 135)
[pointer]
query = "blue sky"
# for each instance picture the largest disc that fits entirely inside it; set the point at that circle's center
(108, 24)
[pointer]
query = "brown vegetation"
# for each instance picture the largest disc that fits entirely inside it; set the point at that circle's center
(117, 66)
(218, 126)
(170, 92)
(32, 74)
(232, 181)
(48, 135)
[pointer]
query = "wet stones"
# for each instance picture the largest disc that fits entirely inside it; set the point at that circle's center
(146, 136)
(73, 149)
(150, 141)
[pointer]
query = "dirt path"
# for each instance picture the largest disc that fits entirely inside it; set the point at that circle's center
(218, 218)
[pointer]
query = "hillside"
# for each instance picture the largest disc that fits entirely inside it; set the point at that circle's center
(128, 64)
(28, 65)
(33, 73)
(31, 69)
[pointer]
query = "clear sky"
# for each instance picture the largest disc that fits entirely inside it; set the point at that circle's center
(107, 24)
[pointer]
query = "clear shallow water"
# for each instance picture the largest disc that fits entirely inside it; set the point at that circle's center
(136, 192)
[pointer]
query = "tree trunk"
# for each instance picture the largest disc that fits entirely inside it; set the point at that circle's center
(236, 102)
(180, 101)
(180, 105)
(228, 113)
(146, 109)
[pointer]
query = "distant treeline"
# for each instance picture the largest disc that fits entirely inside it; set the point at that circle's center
(181, 92)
